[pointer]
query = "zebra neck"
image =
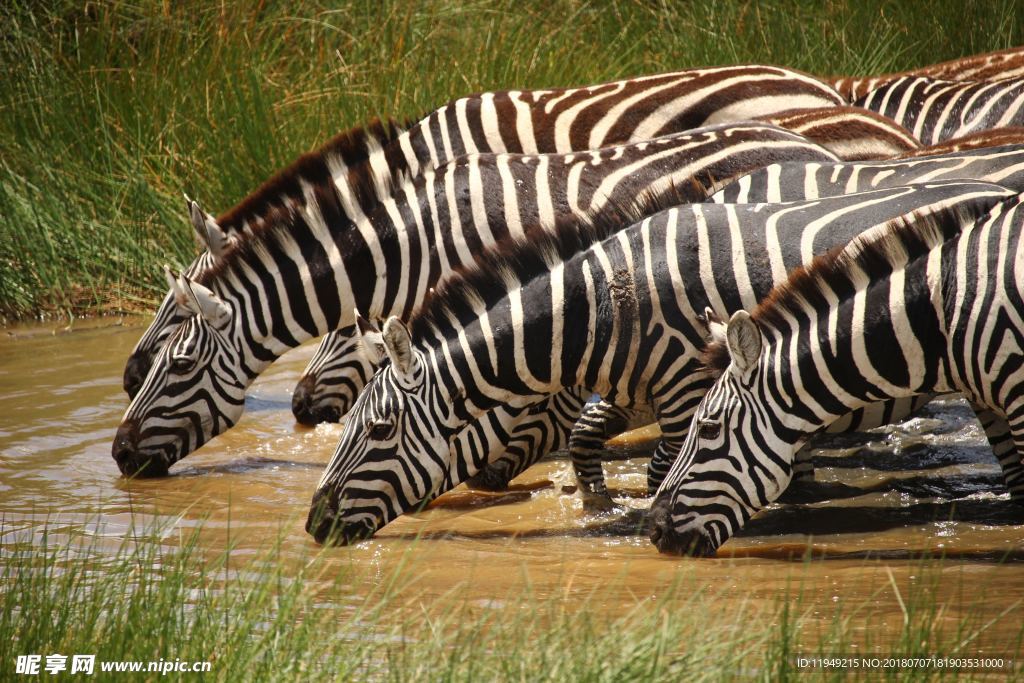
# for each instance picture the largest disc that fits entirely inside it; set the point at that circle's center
(887, 340)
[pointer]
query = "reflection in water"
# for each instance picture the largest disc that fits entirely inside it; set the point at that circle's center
(926, 488)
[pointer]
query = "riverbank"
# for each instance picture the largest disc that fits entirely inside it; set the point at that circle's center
(110, 111)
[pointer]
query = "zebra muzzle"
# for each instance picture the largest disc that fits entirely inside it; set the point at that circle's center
(305, 407)
(663, 534)
(129, 459)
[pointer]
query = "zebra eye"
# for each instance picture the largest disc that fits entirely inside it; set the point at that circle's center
(182, 364)
(379, 431)
(709, 431)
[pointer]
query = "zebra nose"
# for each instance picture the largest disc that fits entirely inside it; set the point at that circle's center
(130, 461)
(302, 401)
(668, 540)
(134, 374)
(323, 512)
(307, 409)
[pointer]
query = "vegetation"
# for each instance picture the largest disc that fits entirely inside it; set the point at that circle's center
(274, 618)
(110, 110)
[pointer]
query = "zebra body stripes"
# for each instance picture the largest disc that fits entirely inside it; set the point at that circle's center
(851, 133)
(936, 111)
(936, 304)
(797, 181)
(990, 66)
(307, 267)
(994, 137)
(366, 164)
(847, 132)
(787, 182)
(619, 318)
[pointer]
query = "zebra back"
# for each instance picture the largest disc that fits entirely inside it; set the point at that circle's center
(851, 133)
(990, 66)
(935, 110)
(793, 181)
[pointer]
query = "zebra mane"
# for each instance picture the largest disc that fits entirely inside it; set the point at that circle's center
(351, 148)
(512, 262)
(279, 228)
(868, 258)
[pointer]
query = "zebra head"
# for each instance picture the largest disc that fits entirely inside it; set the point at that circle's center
(332, 380)
(393, 452)
(174, 308)
(737, 457)
(194, 390)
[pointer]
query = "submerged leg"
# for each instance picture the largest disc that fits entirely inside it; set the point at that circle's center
(1007, 452)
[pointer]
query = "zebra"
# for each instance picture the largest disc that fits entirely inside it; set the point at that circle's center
(793, 181)
(994, 137)
(306, 266)
(931, 304)
(366, 163)
(935, 110)
(342, 159)
(619, 318)
(990, 66)
(851, 133)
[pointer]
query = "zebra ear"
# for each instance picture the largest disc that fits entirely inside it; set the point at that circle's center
(398, 345)
(371, 341)
(716, 326)
(209, 235)
(180, 298)
(743, 338)
(204, 302)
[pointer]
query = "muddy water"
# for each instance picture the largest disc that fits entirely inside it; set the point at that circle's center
(926, 487)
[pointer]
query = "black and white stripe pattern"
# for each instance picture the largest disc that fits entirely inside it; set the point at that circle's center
(990, 66)
(366, 163)
(793, 181)
(851, 133)
(995, 137)
(621, 319)
(307, 266)
(935, 111)
(936, 304)
(325, 389)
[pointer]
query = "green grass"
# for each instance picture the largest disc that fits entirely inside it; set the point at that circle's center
(271, 618)
(110, 110)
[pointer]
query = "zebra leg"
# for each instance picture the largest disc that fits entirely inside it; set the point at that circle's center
(538, 430)
(599, 422)
(1000, 437)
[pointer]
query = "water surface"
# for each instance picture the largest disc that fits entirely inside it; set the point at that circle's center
(926, 487)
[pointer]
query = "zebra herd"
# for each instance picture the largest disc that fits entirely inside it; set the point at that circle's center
(748, 249)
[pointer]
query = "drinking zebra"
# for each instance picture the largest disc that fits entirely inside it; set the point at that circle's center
(794, 181)
(990, 66)
(366, 164)
(932, 304)
(619, 318)
(935, 111)
(307, 265)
